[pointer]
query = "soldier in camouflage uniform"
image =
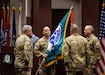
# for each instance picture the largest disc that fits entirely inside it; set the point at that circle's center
(23, 52)
(40, 52)
(93, 51)
(74, 52)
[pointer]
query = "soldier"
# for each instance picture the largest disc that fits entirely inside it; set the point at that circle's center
(93, 51)
(40, 51)
(23, 52)
(74, 52)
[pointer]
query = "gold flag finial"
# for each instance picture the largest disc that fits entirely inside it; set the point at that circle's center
(103, 5)
(14, 8)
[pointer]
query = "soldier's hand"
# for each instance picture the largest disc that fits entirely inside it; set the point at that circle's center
(66, 69)
(44, 55)
(94, 66)
(86, 69)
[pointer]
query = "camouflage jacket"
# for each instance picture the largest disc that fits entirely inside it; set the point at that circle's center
(41, 46)
(23, 52)
(93, 51)
(74, 51)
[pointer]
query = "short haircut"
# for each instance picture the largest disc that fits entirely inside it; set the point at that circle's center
(26, 28)
(74, 28)
(90, 27)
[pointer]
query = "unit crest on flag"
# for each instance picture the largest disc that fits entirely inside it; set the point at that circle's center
(55, 36)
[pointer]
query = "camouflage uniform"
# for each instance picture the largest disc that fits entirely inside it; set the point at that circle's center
(74, 54)
(23, 55)
(93, 53)
(40, 48)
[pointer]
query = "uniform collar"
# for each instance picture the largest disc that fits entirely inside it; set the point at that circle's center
(91, 35)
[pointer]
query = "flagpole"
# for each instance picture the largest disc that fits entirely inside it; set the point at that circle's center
(13, 27)
(40, 66)
(8, 26)
(72, 15)
(20, 21)
(73, 4)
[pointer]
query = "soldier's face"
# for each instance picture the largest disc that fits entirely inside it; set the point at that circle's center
(46, 32)
(86, 31)
(30, 33)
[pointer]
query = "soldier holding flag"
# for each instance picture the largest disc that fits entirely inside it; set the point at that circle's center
(40, 52)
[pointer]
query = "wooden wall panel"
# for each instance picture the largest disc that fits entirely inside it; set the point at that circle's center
(41, 15)
(90, 14)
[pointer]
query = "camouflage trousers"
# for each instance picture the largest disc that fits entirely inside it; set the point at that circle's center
(76, 72)
(47, 70)
(91, 71)
(23, 71)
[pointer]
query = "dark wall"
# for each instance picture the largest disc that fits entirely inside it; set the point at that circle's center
(90, 14)
(57, 15)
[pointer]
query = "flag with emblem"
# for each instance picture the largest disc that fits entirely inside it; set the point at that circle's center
(56, 40)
